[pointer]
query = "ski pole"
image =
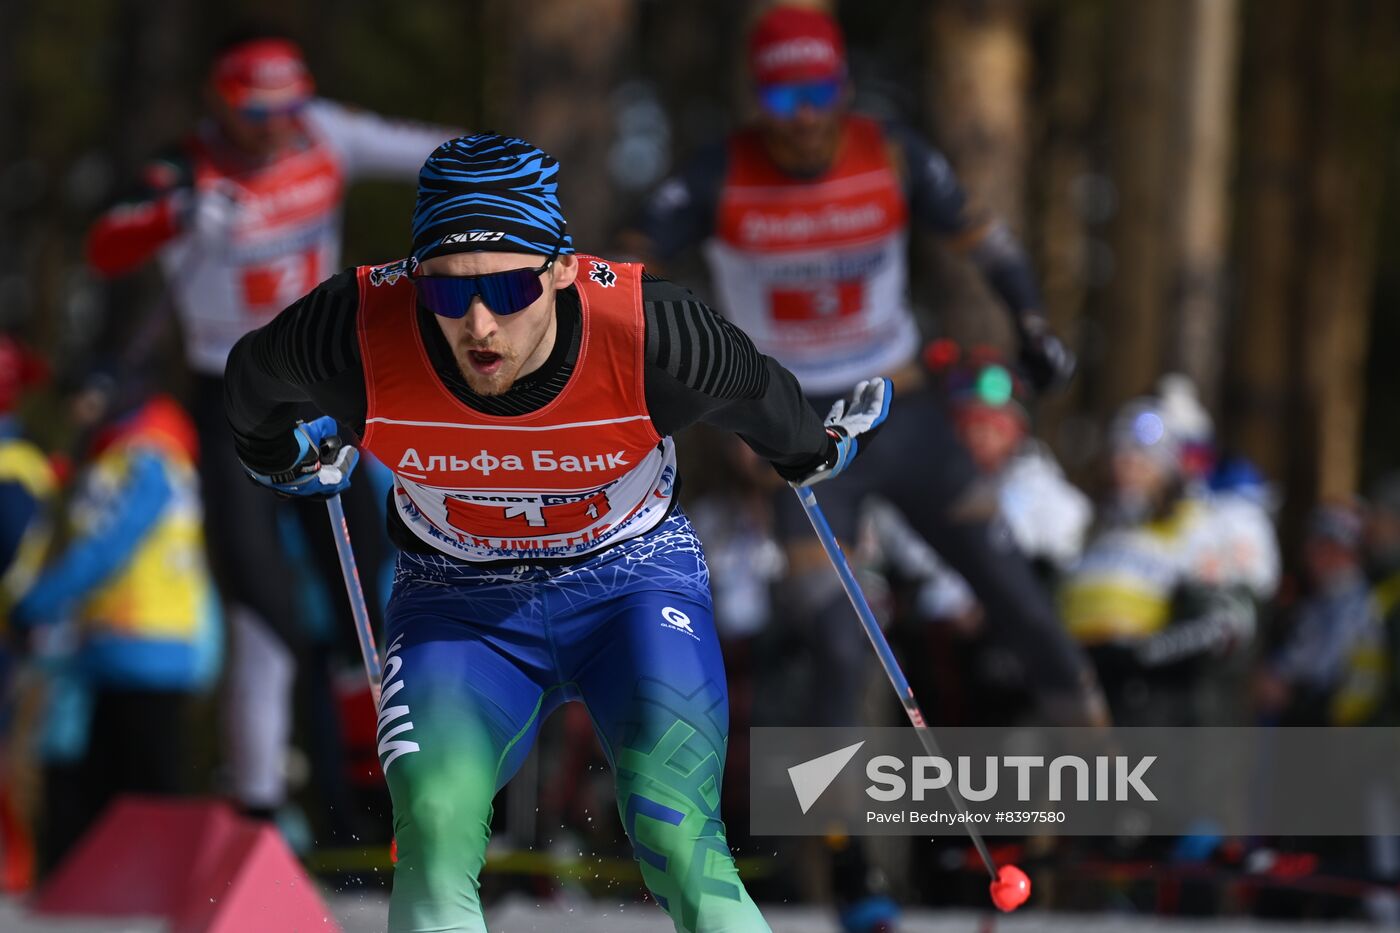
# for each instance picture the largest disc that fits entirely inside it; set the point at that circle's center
(363, 630)
(1010, 886)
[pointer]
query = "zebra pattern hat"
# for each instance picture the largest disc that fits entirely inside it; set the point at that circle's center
(488, 192)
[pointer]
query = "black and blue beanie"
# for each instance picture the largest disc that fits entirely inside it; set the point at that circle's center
(488, 192)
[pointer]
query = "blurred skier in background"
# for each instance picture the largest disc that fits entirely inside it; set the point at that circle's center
(244, 217)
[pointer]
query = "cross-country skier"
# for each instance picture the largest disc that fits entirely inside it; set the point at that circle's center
(244, 217)
(525, 397)
(805, 216)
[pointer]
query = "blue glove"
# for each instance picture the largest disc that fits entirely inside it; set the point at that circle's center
(322, 468)
(851, 425)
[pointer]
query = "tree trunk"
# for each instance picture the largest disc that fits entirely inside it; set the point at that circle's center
(978, 82)
(1206, 142)
(1321, 80)
(1262, 394)
(1144, 99)
(1360, 42)
(982, 66)
(1064, 247)
(1067, 254)
(1170, 114)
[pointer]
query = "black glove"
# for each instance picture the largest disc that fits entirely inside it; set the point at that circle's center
(1048, 364)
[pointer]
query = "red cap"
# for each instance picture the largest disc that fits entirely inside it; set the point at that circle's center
(266, 73)
(20, 370)
(791, 44)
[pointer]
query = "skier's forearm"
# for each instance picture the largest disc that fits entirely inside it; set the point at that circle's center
(308, 353)
(1004, 264)
(776, 420)
(780, 425)
(127, 236)
(261, 409)
(702, 368)
(939, 204)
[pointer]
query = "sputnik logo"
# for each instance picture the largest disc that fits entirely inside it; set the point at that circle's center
(811, 778)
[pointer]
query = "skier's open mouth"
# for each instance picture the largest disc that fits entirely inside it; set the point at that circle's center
(484, 361)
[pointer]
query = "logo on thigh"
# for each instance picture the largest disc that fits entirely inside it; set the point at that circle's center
(673, 618)
(391, 747)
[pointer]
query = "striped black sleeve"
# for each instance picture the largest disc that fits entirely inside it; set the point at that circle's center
(701, 367)
(304, 362)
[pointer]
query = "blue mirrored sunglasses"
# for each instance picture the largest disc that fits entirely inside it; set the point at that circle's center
(785, 100)
(502, 292)
(260, 114)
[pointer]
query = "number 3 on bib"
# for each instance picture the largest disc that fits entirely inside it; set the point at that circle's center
(821, 302)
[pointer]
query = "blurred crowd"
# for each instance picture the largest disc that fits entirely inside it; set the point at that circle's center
(143, 657)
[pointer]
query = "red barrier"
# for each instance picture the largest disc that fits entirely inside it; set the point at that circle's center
(195, 863)
(258, 885)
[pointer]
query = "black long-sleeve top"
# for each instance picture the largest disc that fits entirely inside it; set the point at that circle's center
(699, 367)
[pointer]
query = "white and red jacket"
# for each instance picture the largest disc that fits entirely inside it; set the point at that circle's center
(238, 242)
(815, 270)
(579, 475)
